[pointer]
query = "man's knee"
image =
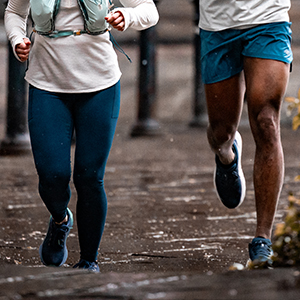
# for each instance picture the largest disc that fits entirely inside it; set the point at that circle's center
(266, 124)
(220, 133)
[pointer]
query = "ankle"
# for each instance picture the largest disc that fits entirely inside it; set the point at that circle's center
(228, 159)
(65, 220)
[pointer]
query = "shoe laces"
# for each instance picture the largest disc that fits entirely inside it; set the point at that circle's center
(261, 249)
(84, 264)
(226, 177)
(57, 235)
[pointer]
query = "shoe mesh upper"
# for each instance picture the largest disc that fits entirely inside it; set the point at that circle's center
(229, 180)
(260, 249)
(84, 264)
(57, 235)
(53, 251)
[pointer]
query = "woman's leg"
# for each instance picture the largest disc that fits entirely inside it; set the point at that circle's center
(95, 122)
(51, 127)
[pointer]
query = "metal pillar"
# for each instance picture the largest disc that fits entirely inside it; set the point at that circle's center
(146, 125)
(17, 139)
(199, 105)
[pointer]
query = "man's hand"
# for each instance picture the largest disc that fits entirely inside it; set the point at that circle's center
(116, 20)
(23, 49)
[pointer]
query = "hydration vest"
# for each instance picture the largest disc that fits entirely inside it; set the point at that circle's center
(44, 12)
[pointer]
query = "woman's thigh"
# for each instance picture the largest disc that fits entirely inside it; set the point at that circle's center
(51, 128)
(95, 123)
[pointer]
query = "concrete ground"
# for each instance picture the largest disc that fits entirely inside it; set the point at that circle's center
(167, 236)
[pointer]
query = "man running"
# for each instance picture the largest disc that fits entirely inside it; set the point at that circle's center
(246, 53)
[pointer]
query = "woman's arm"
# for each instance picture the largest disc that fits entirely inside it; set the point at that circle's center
(15, 21)
(136, 14)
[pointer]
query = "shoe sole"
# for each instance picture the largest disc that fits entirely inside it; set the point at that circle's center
(65, 247)
(251, 265)
(239, 144)
(50, 265)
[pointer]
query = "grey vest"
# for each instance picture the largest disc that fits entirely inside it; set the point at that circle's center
(44, 12)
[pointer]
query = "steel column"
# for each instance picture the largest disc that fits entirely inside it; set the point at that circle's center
(146, 124)
(16, 140)
(199, 106)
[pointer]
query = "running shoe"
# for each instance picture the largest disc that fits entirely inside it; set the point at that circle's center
(260, 252)
(53, 251)
(84, 264)
(230, 181)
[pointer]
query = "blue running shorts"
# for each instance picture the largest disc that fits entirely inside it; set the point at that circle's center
(222, 52)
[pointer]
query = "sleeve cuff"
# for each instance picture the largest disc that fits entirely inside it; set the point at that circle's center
(126, 15)
(15, 42)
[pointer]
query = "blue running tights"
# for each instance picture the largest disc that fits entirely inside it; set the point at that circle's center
(52, 119)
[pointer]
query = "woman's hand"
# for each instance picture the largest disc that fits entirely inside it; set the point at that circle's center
(23, 49)
(116, 20)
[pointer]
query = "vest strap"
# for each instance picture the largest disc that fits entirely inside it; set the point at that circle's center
(63, 33)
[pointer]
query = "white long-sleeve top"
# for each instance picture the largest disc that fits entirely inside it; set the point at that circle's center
(74, 64)
(216, 15)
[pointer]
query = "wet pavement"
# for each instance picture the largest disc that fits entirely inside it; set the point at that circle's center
(167, 236)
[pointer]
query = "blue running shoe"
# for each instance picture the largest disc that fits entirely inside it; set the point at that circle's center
(53, 251)
(230, 182)
(84, 264)
(260, 252)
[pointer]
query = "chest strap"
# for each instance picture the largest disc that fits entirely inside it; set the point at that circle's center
(63, 33)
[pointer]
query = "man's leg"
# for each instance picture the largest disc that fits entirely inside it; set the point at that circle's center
(224, 107)
(224, 102)
(266, 82)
